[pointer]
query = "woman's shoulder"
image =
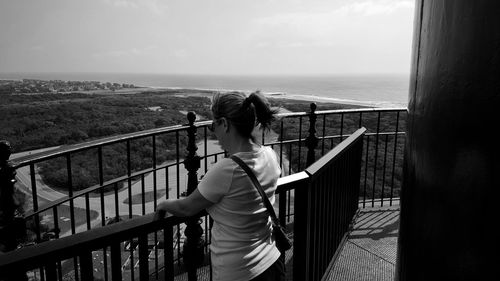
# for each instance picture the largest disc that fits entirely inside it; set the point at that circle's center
(222, 170)
(270, 152)
(268, 149)
(255, 152)
(224, 163)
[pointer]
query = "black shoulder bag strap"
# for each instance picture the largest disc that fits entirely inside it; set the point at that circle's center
(259, 188)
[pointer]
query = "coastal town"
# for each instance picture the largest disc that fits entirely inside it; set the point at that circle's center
(35, 86)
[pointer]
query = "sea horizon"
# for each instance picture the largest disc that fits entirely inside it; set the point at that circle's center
(379, 90)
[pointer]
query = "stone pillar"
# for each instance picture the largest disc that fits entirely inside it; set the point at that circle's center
(452, 159)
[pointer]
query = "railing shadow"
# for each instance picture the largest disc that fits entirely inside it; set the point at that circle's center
(376, 224)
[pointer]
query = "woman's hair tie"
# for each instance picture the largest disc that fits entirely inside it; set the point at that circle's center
(246, 103)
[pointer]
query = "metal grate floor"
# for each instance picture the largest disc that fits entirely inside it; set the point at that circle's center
(203, 272)
(370, 251)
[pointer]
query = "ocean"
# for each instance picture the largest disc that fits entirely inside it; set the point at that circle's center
(380, 90)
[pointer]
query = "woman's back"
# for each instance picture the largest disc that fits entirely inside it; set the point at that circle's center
(241, 236)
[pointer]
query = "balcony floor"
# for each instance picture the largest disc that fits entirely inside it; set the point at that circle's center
(368, 254)
(370, 250)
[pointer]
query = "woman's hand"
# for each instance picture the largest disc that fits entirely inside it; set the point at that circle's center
(161, 210)
(159, 214)
(183, 207)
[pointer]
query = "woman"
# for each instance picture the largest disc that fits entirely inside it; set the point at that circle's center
(242, 247)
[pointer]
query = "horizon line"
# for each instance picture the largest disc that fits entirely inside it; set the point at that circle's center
(208, 74)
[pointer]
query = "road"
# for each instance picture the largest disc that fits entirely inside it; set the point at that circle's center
(47, 193)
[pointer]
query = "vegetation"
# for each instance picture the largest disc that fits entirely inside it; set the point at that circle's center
(377, 178)
(46, 120)
(38, 121)
(36, 86)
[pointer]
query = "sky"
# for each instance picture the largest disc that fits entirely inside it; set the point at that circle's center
(291, 37)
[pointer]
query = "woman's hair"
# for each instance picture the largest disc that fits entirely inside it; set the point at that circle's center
(242, 111)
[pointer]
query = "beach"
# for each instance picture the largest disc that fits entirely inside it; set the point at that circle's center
(208, 93)
(373, 90)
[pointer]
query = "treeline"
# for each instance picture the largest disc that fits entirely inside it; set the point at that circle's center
(381, 154)
(40, 121)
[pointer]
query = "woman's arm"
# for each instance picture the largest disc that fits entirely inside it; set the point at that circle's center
(183, 207)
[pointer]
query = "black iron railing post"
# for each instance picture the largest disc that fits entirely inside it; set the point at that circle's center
(7, 202)
(12, 228)
(193, 246)
(312, 140)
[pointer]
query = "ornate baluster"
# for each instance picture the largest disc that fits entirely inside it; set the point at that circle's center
(193, 246)
(12, 227)
(312, 140)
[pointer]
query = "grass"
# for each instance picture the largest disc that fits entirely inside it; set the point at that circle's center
(64, 217)
(148, 197)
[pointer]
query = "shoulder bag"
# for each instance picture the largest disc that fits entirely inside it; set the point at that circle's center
(283, 243)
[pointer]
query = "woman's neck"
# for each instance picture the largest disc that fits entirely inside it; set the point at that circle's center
(242, 145)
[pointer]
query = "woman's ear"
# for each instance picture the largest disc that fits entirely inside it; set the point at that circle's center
(225, 124)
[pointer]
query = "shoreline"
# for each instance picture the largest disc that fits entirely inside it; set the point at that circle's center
(199, 92)
(208, 92)
(368, 90)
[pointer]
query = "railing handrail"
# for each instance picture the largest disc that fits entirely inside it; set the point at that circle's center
(66, 247)
(97, 238)
(337, 111)
(96, 187)
(79, 193)
(391, 133)
(72, 148)
(335, 152)
(45, 155)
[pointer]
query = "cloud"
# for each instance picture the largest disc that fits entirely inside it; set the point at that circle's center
(358, 8)
(156, 7)
(324, 27)
(374, 7)
(122, 3)
(181, 53)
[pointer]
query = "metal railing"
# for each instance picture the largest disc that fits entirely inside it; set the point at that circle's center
(327, 205)
(147, 177)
